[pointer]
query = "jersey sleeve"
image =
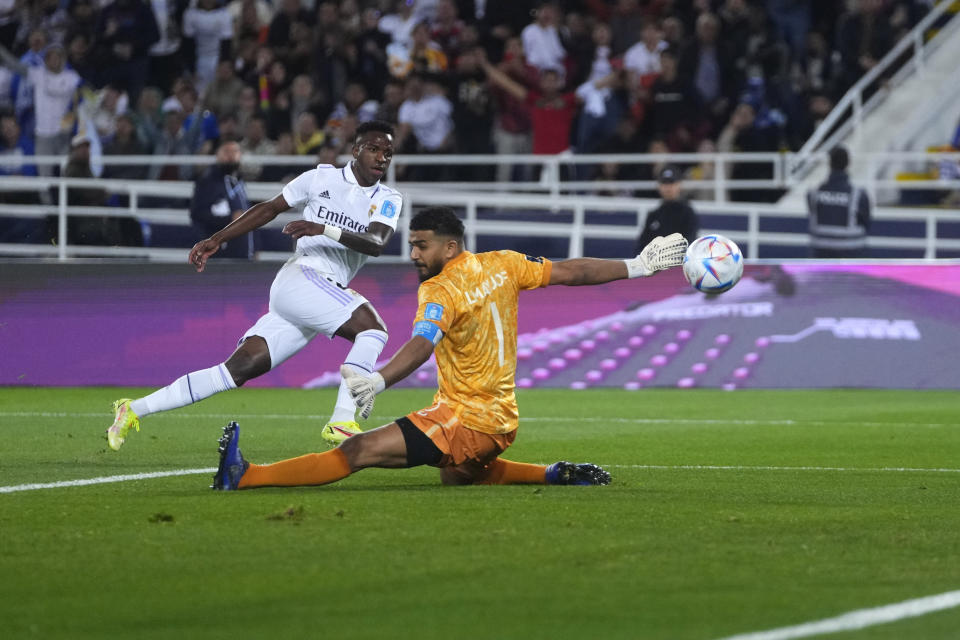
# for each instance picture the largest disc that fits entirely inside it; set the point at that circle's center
(297, 191)
(388, 211)
(435, 312)
(529, 272)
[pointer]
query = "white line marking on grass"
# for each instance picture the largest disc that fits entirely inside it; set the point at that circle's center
(590, 419)
(859, 619)
(714, 467)
(104, 480)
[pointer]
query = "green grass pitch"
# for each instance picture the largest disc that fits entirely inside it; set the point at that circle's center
(728, 513)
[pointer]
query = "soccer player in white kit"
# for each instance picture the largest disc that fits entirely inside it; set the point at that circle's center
(348, 216)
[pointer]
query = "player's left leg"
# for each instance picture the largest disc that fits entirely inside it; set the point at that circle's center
(384, 447)
(368, 333)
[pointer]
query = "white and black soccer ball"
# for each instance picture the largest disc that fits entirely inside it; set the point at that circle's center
(713, 264)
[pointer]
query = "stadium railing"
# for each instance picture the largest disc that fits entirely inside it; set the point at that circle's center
(556, 209)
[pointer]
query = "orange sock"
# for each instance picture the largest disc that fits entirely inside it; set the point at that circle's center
(311, 469)
(506, 472)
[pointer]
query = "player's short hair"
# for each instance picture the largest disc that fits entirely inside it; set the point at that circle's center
(839, 159)
(441, 220)
(373, 125)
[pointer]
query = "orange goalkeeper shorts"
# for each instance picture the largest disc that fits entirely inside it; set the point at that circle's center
(457, 443)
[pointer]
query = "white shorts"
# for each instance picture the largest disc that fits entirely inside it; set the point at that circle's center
(303, 303)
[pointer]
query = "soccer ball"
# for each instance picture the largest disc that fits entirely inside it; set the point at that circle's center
(713, 264)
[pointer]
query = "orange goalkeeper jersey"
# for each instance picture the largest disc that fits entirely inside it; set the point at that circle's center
(473, 302)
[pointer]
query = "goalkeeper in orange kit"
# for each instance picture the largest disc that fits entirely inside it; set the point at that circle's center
(467, 316)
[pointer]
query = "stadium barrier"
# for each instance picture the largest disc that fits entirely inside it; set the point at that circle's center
(566, 221)
(804, 324)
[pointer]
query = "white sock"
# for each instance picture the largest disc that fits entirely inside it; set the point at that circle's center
(363, 358)
(193, 387)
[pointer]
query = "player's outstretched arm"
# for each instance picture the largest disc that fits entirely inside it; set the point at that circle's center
(405, 361)
(253, 218)
(371, 242)
(662, 253)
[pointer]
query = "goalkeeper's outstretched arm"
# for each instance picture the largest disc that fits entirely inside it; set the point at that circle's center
(662, 253)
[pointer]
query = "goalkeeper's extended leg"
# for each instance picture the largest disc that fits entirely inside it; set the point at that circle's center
(502, 471)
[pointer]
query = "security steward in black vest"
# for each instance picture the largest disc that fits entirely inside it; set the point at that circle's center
(673, 215)
(839, 213)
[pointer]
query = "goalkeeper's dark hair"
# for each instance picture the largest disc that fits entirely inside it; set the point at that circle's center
(373, 125)
(441, 220)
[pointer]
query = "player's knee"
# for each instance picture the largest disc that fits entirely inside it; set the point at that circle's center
(246, 365)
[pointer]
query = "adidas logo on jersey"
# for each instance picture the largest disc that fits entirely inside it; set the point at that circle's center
(325, 194)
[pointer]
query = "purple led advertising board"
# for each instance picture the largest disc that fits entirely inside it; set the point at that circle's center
(793, 325)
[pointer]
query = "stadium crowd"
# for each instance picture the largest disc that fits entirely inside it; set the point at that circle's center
(179, 77)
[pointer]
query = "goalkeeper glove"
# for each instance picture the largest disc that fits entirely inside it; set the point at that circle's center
(363, 389)
(662, 253)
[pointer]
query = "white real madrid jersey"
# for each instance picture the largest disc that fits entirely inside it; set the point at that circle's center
(329, 195)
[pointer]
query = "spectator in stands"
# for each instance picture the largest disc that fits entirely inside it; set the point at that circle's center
(792, 19)
(21, 88)
(393, 96)
(126, 30)
(863, 37)
(329, 154)
(626, 21)
(473, 113)
(17, 148)
(839, 213)
(47, 16)
(108, 103)
(166, 55)
(708, 64)
(9, 22)
(512, 126)
(541, 40)
(551, 109)
(251, 17)
(674, 215)
(399, 25)
(223, 94)
(742, 134)
(282, 172)
(220, 196)
(54, 90)
(703, 171)
(425, 118)
(672, 112)
(421, 55)
(14, 144)
(278, 34)
(80, 58)
(371, 47)
(210, 27)
(149, 116)
(642, 60)
(199, 125)
(247, 106)
(307, 137)
(341, 133)
(172, 140)
(447, 28)
(602, 108)
(255, 143)
(355, 103)
(125, 143)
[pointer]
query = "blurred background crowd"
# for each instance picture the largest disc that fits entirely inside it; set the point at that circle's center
(287, 77)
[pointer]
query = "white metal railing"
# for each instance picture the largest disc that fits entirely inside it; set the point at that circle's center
(572, 226)
(854, 101)
(559, 174)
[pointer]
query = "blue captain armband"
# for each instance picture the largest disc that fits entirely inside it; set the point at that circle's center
(428, 330)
